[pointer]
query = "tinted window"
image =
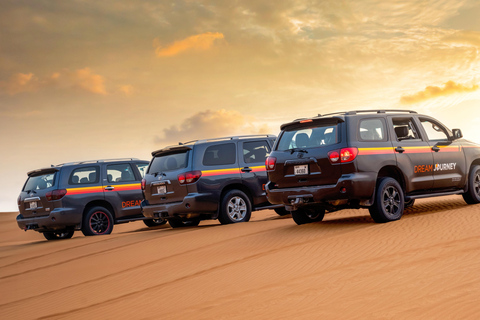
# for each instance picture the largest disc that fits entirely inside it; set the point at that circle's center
(220, 154)
(308, 137)
(169, 162)
(405, 129)
(120, 172)
(40, 182)
(85, 175)
(255, 151)
(142, 167)
(372, 130)
(434, 131)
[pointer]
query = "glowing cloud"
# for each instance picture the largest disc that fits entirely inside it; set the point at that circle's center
(19, 82)
(126, 89)
(433, 92)
(88, 81)
(197, 42)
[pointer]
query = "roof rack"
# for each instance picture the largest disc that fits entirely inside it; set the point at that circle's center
(229, 138)
(93, 161)
(366, 111)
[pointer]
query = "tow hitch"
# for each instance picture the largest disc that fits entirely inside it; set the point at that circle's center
(296, 201)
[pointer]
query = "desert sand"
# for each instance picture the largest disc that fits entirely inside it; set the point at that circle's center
(424, 266)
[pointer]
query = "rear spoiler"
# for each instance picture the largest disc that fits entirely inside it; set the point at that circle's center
(170, 150)
(42, 171)
(315, 120)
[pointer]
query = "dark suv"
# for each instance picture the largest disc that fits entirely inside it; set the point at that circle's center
(220, 178)
(90, 196)
(377, 159)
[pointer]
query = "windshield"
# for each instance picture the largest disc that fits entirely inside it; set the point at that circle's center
(308, 137)
(169, 162)
(40, 182)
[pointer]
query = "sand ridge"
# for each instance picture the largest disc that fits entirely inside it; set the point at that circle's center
(423, 266)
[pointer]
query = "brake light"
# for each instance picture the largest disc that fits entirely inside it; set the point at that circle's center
(144, 182)
(189, 177)
(270, 163)
(343, 156)
(56, 194)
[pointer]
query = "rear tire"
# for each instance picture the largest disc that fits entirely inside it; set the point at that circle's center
(304, 216)
(409, 203)
(97, 221)
(281, 211)
(235, 207)
(58, 235)
(154, 222)
(178, 223)
(389, 201)
(472, 196)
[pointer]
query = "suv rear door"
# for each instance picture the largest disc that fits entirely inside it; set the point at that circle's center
(301, 153)
(161, 181)
(32, 200)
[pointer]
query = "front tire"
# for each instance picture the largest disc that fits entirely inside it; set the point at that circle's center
(281, 211)
(304, 216)
(58, 235)
(235, 207)
(389, 201)
(472, 196)
(154, 222)
(97, 221)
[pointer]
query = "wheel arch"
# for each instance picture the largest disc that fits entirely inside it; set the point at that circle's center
(99, 203)
(235, 186)
(395, 173)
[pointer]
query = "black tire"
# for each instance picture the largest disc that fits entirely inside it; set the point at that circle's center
(154, 222)
(235, 207)
(303, 216)
(178, 223)
(472, 196)
(389, 201)
(97, 221)
(281, 211)
(59, 235)
(409, 203)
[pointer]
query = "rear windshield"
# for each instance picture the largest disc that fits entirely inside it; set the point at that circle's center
(40, 182)
(168, 162)
(308, 137)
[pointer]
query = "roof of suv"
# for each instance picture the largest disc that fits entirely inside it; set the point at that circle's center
(187, 145)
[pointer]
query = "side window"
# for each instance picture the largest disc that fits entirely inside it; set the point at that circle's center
(219, 154)
(372, 130)
(255, 151)
(142, 167)
(121, 172)
(84, 175)
(434, 131)
(405, 129)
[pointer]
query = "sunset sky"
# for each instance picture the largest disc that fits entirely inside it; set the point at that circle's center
(83, 80)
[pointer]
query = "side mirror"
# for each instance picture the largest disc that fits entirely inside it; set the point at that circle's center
(457, 134)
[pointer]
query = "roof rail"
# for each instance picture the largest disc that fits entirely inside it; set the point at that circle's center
(353, 112)
(234, 137)
(93, 161)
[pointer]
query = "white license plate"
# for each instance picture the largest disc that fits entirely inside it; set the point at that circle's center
(303, 169)
(162, 189)
(33, 205)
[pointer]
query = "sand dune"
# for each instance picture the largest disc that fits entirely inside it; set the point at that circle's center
(425, 266)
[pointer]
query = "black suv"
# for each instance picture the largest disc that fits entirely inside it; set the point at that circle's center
(90, 196)
(220, 178)
(377, 159)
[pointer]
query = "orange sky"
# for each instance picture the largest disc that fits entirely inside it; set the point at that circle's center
(86, 80)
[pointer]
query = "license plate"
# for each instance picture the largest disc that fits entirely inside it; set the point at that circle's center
(303, 169)
(162, 189)
(33, 205)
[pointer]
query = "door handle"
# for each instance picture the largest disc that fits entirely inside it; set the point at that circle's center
(246, 169)
(399, 149)
(435, 148)
(109, 188)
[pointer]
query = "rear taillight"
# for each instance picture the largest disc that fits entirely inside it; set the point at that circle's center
(270, 163)
(19, 201)
(144, 182)
(189, 177)
(56, 194)
(343, 156)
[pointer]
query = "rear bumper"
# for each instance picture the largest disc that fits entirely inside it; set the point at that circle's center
(358, 186)
(192, 204)
(58, 219)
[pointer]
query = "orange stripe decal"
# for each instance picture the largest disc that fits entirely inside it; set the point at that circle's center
(209, 173)
(118, 187)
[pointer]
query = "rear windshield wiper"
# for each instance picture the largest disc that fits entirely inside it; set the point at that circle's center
(297, 150)
(159, 173)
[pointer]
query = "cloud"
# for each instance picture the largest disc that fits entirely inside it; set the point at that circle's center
(430, 92)
(197, 42)
(465, 37)
(83, 79)
(127, 89)
(211, 124)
